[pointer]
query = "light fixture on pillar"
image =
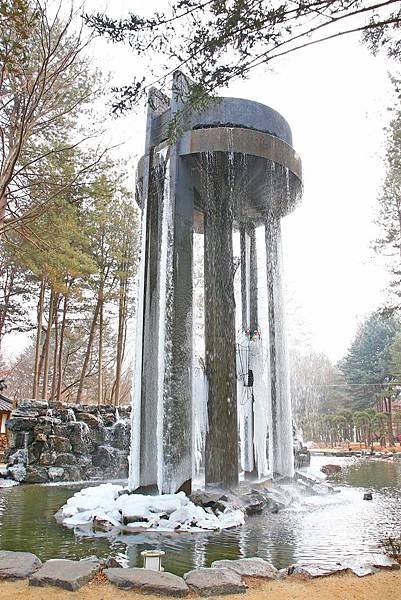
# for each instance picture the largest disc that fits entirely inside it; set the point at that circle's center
(152, 559)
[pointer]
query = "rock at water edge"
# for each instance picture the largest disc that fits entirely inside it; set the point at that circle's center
(381, 561)
(67, 574)
(311, 571)
(248, 567)
(214, 582)
(17, 565)
(147, 581)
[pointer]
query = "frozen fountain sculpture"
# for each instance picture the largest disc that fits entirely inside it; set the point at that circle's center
(231, 174)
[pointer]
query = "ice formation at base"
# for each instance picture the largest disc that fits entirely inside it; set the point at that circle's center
(111, 506)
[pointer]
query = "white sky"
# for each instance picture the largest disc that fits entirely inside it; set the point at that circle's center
(335, 97)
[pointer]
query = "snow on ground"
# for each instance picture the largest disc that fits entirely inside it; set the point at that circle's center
(111, 506)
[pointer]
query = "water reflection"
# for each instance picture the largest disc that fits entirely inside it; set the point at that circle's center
(324, 529)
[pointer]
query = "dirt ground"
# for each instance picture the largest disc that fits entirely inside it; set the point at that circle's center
(385, 585)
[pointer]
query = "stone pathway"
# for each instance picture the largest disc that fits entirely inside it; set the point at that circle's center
(17, 565)
(67, 574)
(147, 581)
(248, 567)
(215, 582)
(224, 576)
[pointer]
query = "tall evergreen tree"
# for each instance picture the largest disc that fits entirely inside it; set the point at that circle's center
(367, 365)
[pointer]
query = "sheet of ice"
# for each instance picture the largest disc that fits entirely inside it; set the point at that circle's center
(171, 512)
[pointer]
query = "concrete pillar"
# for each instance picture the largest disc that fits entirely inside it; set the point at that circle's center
(221, 456)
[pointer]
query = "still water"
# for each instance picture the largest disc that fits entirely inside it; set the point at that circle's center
(322, 529)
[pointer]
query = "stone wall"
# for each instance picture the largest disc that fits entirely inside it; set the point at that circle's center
(61, 443)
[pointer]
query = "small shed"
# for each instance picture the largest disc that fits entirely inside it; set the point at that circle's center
(6, 407)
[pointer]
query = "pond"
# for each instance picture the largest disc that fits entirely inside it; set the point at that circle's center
(322, 529)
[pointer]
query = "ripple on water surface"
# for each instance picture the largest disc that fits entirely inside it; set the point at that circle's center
(323, 529)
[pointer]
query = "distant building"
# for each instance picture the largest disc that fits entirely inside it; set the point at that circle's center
(6, 407)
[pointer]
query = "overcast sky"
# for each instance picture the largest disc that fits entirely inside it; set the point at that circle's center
(335, 97)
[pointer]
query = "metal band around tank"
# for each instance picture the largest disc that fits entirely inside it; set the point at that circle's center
(244, 141)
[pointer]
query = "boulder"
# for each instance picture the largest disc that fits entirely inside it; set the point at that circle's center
(59, 444)
(215, 582)
(29, 404)
(120, 434)
(78, 434)
(18, 458)
(17, 473)
(207, 499)
(254, 503)
(56, 473)
(248, 567)
(17, 565)
(104, 457)
(67, 574)
(90, 419)
(381, 561)
(311, 571)
(147, 581)
(360, 568)
(74, 473)
(21, 423)
(64, 459)
(36, 474)
(48, 458)
(331, 469)
(368, 496)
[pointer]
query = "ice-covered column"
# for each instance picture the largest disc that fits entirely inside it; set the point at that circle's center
(221, 451)
(161, 448)
(249, 303)
(281, 427)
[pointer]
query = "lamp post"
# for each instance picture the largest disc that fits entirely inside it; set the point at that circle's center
(152, 559)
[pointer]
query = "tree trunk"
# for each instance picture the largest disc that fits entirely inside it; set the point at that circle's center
(60, 351)
(100, 374)
(88, 350)
(122, 311)
(390, 422)
(55, 351)
(46, 348)
(36, 369)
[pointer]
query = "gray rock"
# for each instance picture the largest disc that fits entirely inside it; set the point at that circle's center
(18, 458)
(207, 499)
(254, 503)
(17, 473)
(331, 469)
(67, 574)
(248, 567)
(59, 444)
(28, 403)
(17, 565)
(56, 473)
(90, 419)
(48, 458)
(360, 569)
(381, 561)
(21, 423)
(147, 581)
(104, 456)
(214, 582)
(64, 459)
(310, 571)
(36, 474)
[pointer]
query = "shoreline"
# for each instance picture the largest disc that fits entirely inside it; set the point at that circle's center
(382, 585)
